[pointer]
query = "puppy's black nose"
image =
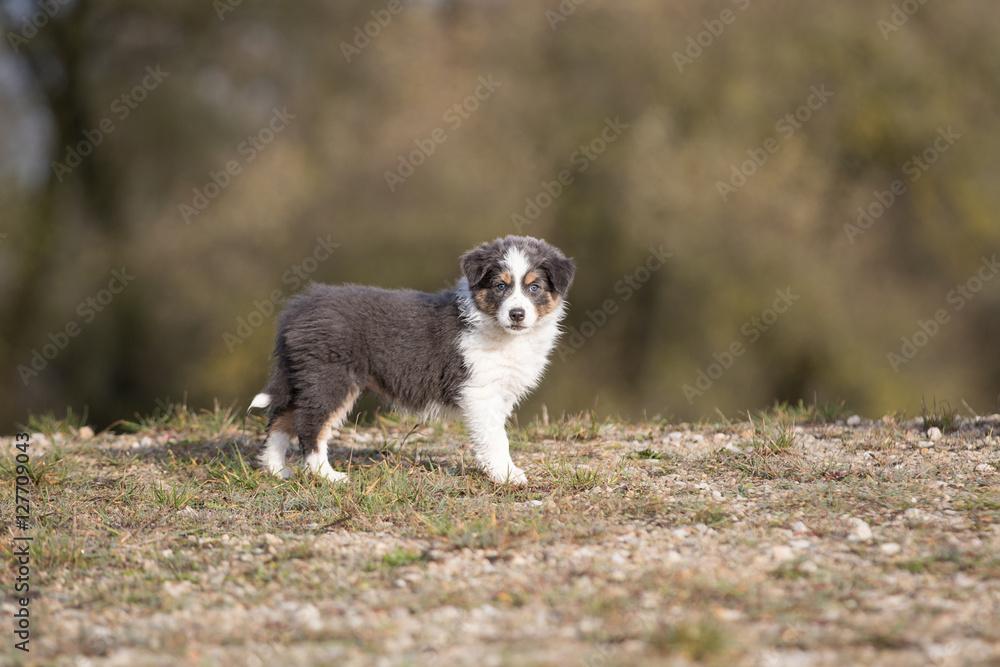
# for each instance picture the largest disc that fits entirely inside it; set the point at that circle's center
(517, 314)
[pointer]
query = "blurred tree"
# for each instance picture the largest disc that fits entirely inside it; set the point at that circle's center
(277, 126)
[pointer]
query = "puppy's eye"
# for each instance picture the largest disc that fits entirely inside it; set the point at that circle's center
(501, 287)
(533, 287)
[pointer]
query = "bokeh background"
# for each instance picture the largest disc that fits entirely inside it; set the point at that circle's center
(688, 92)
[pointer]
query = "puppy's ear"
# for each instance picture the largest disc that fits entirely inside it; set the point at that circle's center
(560, 271)
(476, 263)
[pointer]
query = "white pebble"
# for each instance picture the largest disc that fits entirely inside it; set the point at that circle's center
(890, 548)
(860, 530)
(985, 467)
(934, 433)
(782, 553)
(853, 420)
(799, 528)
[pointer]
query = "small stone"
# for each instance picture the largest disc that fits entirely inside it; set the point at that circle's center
(307, 616)
(800, 528)
(853, 420)
(782, 553)
(962, 580)
(672, 557)
(808, 567)
(860, 530)
(86, 433)
(934, 434)
(800, 544)
(890, 548)
(985, 467)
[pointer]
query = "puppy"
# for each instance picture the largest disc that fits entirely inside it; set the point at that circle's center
(477, 350)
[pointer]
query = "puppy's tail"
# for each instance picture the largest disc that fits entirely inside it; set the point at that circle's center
(261, 400)
(277, 395)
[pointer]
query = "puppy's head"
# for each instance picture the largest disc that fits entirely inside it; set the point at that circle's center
(518, 280)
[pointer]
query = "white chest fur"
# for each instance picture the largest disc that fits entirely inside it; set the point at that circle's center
(509, 365)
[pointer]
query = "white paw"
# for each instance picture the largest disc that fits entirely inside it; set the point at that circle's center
(331, 475)
(509, 474)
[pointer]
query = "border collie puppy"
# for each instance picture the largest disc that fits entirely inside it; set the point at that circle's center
(477, 349)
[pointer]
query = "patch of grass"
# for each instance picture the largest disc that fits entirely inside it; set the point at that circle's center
(399, 557)
(752, 463)
(712, 515)
(581, 427)
(218, 419)
(232, 470)
(48, 424)
(802, 413)
(174, 496)
(179, 417)
(475, 526)
(50, 469)
(696, 642)
(944, 418)
(647, 453)
(580, 478)
(774, 439)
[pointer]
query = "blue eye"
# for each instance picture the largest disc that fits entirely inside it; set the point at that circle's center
(533, 288)
(501, 286)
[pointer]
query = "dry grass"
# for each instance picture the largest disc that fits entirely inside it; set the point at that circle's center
(633, 544)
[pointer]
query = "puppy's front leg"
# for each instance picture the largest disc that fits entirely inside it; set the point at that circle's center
(485, 417)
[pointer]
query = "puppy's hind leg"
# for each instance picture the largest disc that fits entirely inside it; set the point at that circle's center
(280, 431)
(315, 425)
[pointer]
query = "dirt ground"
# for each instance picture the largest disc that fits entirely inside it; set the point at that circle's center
(787, 539)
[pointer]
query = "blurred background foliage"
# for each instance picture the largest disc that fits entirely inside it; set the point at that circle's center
(226, 66)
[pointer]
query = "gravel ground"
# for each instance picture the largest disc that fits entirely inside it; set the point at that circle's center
(858, 542)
